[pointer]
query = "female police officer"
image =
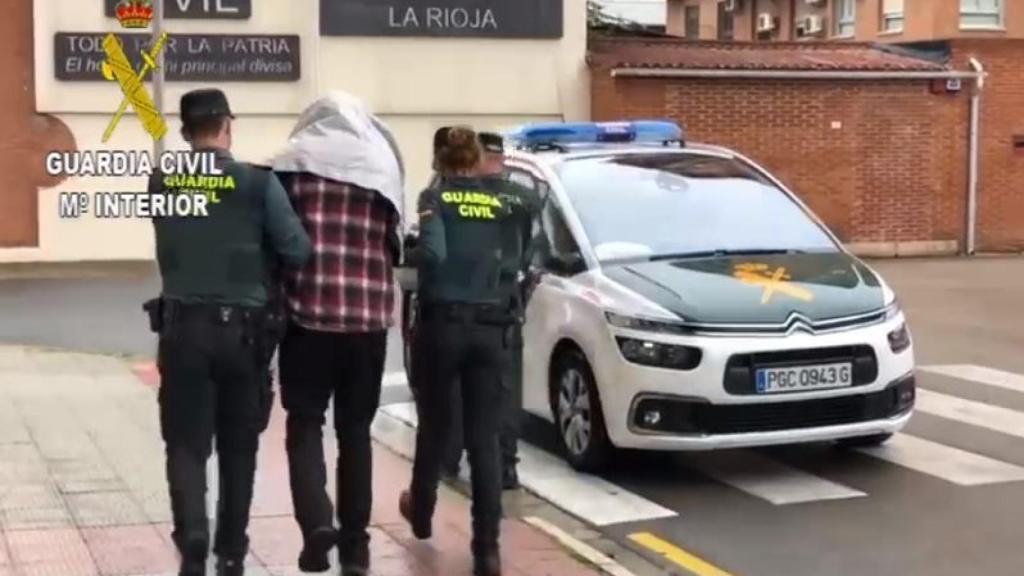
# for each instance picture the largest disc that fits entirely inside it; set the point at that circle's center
(465, 283)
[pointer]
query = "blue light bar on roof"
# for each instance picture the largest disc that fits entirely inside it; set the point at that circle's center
(555, 133)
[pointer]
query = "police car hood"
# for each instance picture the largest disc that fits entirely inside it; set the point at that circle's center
(763, 289)
(338, 138)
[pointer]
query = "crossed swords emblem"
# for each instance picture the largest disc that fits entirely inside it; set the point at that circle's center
(771, 281)
(118, 68)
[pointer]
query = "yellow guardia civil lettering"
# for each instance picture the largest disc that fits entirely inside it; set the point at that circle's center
(770, 280)
(210, 186)
(475, 205)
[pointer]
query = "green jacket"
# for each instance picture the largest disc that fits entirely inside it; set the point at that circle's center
(523, 239)
(224, 258)
(463, 244)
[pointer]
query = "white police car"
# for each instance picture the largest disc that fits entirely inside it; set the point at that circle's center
(691, 302)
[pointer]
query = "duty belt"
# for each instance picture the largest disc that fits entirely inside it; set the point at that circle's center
(467, 313)
(213, 313)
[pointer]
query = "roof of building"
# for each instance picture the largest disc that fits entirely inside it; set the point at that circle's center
(681, 54)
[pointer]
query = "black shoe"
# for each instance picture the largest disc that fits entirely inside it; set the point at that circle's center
(230, 566)
(509, 478)
(194, 551)
(420, 529)
(356, 562)
(487, 564)
(315, 549)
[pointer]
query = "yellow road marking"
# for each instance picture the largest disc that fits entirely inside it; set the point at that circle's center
(677, 555)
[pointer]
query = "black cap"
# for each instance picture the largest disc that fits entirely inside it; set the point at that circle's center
(492, 142)
(201, 104)
(441, 137)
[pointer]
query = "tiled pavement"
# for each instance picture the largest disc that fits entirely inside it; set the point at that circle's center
(82, 489)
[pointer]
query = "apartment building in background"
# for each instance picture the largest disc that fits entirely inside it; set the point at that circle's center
(861, 20)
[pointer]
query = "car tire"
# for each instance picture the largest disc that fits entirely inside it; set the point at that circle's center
(864, 441)
(579, 417)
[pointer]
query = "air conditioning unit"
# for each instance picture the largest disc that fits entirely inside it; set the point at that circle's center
(765, 22)
(814, 25)
(731, 5)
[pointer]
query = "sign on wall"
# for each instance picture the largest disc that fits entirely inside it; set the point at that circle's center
(79, 57)
(443, 18)
(198, 9)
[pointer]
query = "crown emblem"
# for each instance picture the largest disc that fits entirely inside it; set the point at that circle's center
(135, 13)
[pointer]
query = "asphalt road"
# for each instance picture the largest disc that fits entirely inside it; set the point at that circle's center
(946, 498)
(94, 308)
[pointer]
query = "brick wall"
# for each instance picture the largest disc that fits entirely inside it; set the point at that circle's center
(25, 136)
(893, 171)
(1001, 168)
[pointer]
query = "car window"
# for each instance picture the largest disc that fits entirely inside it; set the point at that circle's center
(560, 241)
(664, 204)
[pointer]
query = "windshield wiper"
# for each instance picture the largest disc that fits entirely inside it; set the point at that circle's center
(723, 252)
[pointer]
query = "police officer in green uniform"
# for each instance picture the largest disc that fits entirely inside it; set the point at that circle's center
(519, 248)
(213, 348)
(462, 336)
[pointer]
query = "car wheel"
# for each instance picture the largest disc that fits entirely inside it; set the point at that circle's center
(578, 414)
(864, 441)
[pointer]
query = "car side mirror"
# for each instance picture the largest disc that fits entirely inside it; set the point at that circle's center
(565, 264)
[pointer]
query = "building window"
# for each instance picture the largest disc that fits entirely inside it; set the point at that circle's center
(981, 13)
(892, 15)
(693, 22)
(846, 18)
(725, 22)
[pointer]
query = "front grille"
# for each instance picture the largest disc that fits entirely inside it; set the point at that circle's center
(739, 370)
(688, 417)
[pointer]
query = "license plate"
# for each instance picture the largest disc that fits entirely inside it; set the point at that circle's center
(798, 378)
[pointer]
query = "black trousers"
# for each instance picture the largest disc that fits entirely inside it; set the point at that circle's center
(449, 353)
(314, 367)
(511, 408)
(213, 385)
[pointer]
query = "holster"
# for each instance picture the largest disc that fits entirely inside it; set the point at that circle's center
(154, 308)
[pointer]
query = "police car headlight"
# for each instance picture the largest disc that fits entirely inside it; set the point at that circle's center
(892, 310)
(659, 355)
(899, 339)
(645, 324)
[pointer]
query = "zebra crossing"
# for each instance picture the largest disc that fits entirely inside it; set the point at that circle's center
(778, 483)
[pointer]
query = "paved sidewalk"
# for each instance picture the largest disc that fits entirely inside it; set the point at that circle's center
(82, 489)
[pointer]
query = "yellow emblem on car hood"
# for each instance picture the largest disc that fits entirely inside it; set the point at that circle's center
(772, 280)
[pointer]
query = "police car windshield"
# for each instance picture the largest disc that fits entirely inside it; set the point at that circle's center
(661, 205)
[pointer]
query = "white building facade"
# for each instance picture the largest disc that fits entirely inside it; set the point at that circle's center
(418, 64)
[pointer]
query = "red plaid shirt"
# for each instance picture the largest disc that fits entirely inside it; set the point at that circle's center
(348, 283)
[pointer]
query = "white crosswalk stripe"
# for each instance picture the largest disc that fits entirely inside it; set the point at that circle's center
(769, 479)
(602, 503)
(588, 497)
(980, 414)
(945, 462)
(980, 374)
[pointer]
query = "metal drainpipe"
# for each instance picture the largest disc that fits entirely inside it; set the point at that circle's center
(972, 167)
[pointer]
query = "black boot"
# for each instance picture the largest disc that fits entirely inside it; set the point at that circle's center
(230, 566)
(509, 477)
(420, 528)
(356, 560)
(315, 549)
(194, 550)
(487, 563)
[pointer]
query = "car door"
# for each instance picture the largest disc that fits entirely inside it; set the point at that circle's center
(558, 258)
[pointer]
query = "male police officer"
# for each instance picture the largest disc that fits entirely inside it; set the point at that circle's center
(210, 317)
(518, 252)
